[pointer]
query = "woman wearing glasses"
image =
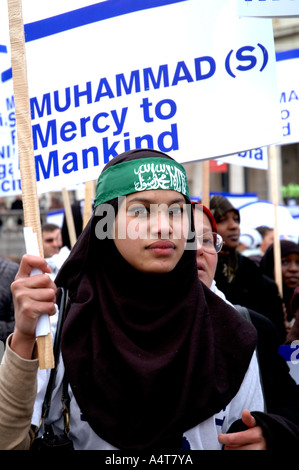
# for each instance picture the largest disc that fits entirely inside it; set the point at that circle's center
(281, 393)
(209, 243)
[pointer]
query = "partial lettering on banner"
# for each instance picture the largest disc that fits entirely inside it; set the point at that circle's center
(10, 183)
(268, 8)
(288, 79)
(254, 158)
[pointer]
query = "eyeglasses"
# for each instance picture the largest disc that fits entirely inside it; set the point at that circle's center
(211, 242)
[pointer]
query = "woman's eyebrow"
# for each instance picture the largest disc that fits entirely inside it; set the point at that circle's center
(149, 201)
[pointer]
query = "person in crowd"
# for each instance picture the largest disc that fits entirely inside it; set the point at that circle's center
(3, 209)
(249, 242)
(77, 209)
(289, 251)
(267, 236)
(17, 204)
(153, 359)
(54, 252)
(8, 270)
(56, 203)
(281, 392)
(237, 276)
(293, 334)
(52, 240)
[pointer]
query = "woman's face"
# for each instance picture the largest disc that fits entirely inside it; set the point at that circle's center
(151, 229)
(267, 240)
(206, 262)
(229, 228)
(290, 270)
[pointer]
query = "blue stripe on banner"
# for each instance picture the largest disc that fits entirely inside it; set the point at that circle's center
(6, 75)
(289, 352)
(90, 14)
(284, 55)
(3, 48)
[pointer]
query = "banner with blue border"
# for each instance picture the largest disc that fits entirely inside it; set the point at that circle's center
(290, 353)
(10, 182)
(108, 76)
(288, 83)
(87, 15)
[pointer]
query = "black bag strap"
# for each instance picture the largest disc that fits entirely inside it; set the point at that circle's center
(48, 396)
(245, 314)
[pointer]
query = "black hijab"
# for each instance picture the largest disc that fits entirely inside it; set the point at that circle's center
(287, 247)
(148, 356)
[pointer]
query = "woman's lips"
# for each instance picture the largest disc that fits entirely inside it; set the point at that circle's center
(292, 279)
(200, 267)
(162, 247)
(234, 237)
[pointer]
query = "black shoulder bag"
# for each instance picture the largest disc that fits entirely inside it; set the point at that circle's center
(49, 440)
(245, 314)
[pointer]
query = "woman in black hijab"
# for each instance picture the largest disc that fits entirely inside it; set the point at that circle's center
(152, 361)
(289, 252)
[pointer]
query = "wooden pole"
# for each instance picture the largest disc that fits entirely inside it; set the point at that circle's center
(69, 217)
(206, 183)
(89, 196)
(25, 148)
(274, 191)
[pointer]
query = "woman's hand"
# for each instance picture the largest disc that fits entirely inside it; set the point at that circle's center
(251, 439)
(32, 296)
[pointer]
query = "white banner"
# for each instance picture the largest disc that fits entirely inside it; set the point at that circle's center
(167, 74)
(288, 83)
(256, 158)
(10, 184)
(268, 8)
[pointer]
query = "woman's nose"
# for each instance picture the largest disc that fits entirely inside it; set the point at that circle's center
(161, 223)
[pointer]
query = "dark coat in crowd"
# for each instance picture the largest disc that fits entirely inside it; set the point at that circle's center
(281, 393)
(287, 247)
(247, 286)
(293, 334)
(8, 270)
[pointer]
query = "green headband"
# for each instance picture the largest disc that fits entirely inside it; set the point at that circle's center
(141, 175)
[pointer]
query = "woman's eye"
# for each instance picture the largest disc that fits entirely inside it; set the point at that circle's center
(137, 211)
(176, 210)
(208, 241)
